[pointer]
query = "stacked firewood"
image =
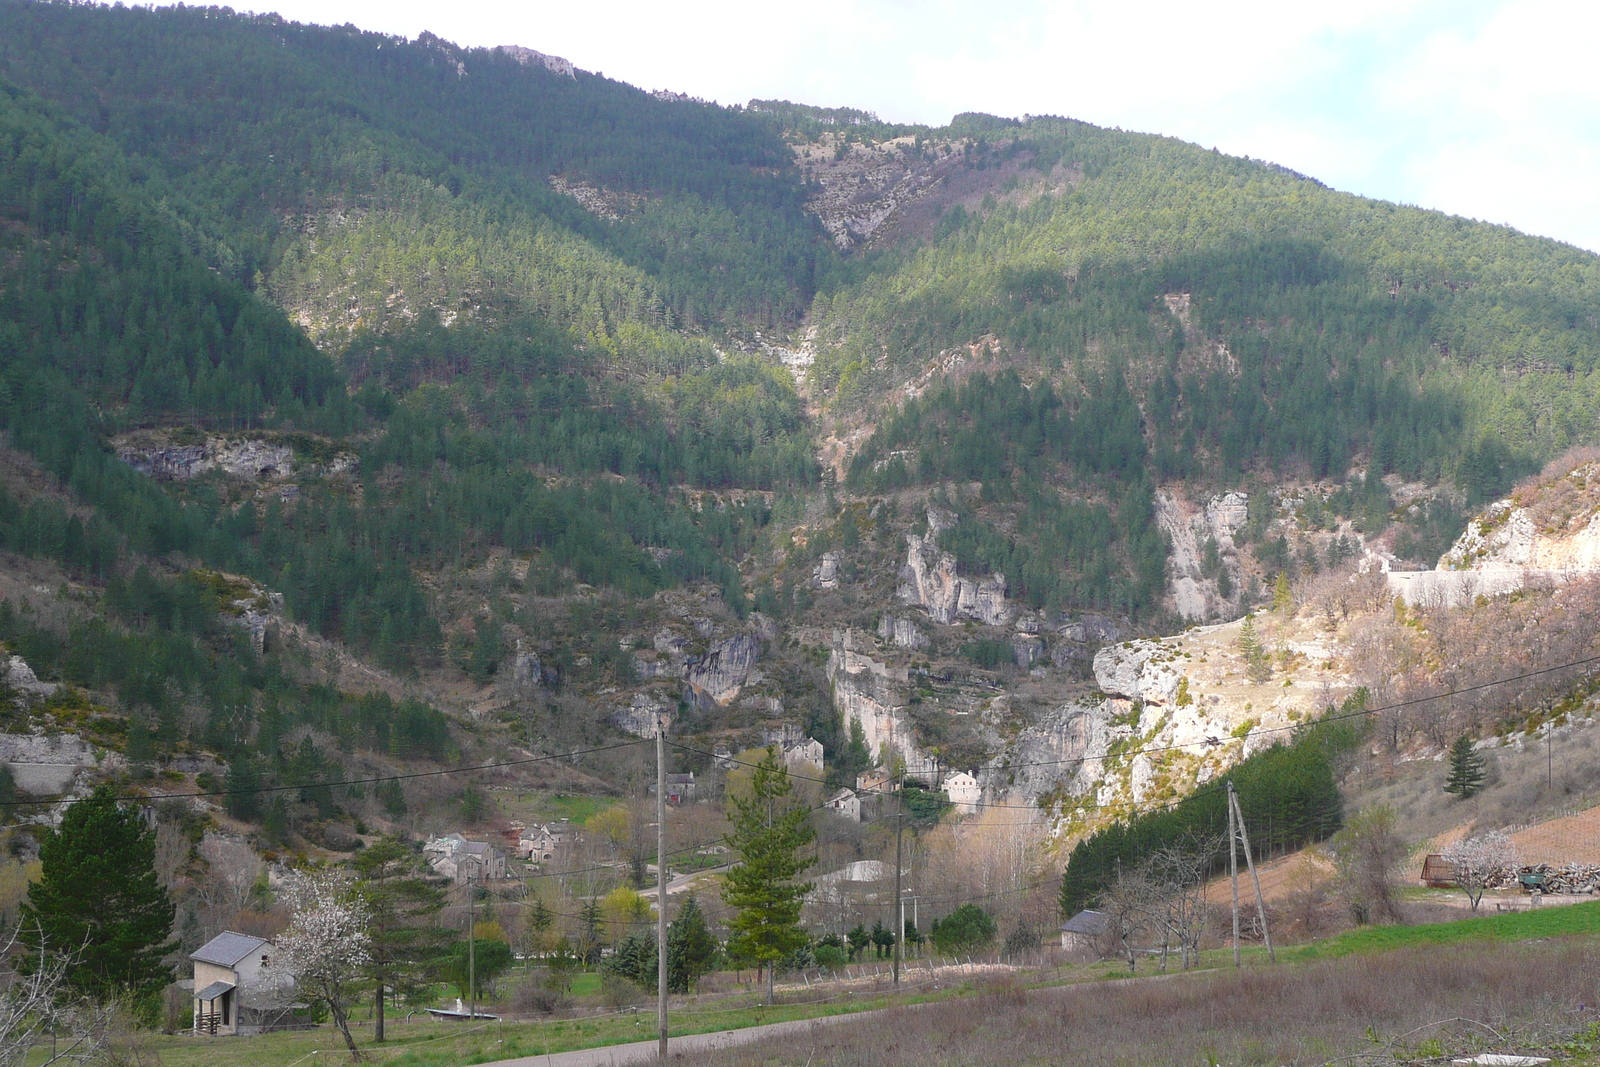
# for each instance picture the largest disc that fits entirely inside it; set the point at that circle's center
(1557, 878)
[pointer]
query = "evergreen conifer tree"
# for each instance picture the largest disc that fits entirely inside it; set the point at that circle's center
(762, 888)
(243, 785)
(402, 905)
(1466, 769)
(98, 898)
(1257, 662)
(691, 949)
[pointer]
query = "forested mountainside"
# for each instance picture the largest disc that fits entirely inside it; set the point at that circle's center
(371, 400)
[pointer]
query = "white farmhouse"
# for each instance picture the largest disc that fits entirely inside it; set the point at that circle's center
(964, 792)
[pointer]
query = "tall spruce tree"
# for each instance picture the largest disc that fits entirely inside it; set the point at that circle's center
(768, 836)
(99, 899)
(1467, 770)
(403, 904)
(691, 949)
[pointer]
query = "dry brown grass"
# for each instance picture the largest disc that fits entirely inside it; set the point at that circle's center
(1467, 998)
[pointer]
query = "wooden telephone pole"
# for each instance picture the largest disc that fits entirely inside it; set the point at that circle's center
(472, 950)
(900, 904)
(661, 886)
(1238, 836)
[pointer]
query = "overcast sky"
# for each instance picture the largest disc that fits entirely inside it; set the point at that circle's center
(1483, 108)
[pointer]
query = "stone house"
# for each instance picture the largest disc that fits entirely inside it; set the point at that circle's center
(806, 750)
(463, 861)
(538, 844)
(845, 804)
(877, 782)
(964, 792)
(235, 992)
(1084, 928)
(680, 788)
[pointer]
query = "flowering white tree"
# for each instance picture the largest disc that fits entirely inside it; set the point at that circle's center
(1479, 862)
(326, 945)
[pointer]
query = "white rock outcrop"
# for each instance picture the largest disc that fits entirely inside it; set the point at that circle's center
(1146, 671)
(724, 669)
(901, 632)
(641, 716)
(20, 679)
(529, 57)
(1502, 551)
(874, 694)
(929, 581)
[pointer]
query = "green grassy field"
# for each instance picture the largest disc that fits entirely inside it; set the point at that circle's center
(1556, 921)
(421, 1041)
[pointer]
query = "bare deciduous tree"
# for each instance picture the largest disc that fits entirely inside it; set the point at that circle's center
(1176, 879)
(1368, 850)
(1481, 861)
(35, 1004)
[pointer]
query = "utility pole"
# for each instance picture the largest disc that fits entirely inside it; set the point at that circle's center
(900, 935)
(472, 950)
(661, 886)
(899, 826)
(1244, 839)
(1233, 870)
(1549, 756)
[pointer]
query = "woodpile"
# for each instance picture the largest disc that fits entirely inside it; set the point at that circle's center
(1563, 878)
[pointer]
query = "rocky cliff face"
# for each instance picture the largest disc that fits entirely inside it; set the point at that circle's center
(874, 694)
(1193, 595)
(723, 670)
(1550, 537)
(159, 457)
(929, 581)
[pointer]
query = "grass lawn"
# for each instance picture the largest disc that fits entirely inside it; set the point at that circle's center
(425, 1042)
(1555, 921)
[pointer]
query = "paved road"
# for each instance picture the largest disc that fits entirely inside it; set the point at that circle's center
(683, 881)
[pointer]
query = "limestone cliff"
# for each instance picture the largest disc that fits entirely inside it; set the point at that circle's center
(929, 581)
(1546, 535)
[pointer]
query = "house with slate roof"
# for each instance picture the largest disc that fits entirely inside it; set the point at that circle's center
(235, 991)
(1084, 928)
(463, 861)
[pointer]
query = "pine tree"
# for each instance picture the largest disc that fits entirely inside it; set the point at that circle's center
(1282, 595)
(762, 888)
(1466, 769)
(244, 789)
(402, 905)
(98, 898)
(691, 949)
(590, 938)
(1257, 662)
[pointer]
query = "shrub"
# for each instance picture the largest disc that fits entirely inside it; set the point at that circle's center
(966, 929)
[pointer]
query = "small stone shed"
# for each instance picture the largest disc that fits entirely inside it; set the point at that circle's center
(1084, 928)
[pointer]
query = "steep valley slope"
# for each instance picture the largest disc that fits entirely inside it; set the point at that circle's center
(377, 404)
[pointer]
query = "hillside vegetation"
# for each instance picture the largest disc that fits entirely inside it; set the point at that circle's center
(374, 404)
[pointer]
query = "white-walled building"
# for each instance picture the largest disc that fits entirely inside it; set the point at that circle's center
(964, 792)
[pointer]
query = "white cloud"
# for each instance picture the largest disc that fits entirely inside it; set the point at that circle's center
(1487, 108)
